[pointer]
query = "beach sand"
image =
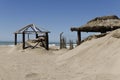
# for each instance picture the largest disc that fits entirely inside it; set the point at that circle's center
(96, 59)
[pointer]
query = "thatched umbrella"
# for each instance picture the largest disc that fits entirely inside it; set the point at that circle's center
(99, 24)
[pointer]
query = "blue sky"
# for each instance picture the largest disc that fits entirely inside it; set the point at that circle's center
(54, 15)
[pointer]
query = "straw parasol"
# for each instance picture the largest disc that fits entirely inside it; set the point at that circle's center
(100, 24)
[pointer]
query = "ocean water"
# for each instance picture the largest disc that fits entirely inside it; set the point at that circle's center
(2, 43)
(6, 43)
(10, 43)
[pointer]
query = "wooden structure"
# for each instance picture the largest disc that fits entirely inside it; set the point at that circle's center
(32, 29)
(99, 24)
(62, 41)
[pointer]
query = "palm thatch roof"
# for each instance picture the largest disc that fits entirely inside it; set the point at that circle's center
(100, 24)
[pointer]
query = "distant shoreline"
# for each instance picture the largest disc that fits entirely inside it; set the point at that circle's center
(11, 44)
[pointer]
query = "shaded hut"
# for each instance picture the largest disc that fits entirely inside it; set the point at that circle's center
(32, 29)
(99, 24)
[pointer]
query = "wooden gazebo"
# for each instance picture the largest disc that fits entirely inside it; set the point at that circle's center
(32, 29)
(98, 24)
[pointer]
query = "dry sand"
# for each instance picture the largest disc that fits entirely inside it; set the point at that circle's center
(97, 59)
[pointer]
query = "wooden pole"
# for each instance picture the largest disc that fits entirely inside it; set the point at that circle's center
(15, 38)
(79, 37)
(61, 40)
(47, 41)
(23, 40)
(36, 35)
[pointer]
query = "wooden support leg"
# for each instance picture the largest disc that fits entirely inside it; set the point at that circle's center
(15, 39)
(23, 40)
(79, 37)
(47, 41)
(36, 35)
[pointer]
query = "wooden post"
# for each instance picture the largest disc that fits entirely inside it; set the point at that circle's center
(61, 40)
(47, 41)
(36, 35)
(15, 38)
(23, 40)
(71, 44)
(79, 37)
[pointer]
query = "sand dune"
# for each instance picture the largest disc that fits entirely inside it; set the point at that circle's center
(97, 59)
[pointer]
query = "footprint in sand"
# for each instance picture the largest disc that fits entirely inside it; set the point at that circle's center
(32, 76)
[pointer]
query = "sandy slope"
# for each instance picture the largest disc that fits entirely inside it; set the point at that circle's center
(97, 59)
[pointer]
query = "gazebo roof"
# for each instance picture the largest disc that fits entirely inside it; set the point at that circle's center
(31, 28)
(100, 24)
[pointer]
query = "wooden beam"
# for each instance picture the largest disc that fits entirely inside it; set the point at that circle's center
(79, 37)
(23, 29)
(15, 39)
(74, 29)
(23, 35)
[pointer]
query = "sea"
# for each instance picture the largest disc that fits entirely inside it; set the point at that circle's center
(6, 43)
(11, 43)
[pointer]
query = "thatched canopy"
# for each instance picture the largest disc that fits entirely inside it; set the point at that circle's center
(100, 24)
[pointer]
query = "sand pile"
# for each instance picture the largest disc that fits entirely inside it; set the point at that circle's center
(30, 64)
(98, 59)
